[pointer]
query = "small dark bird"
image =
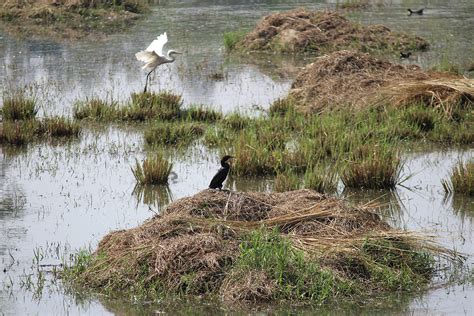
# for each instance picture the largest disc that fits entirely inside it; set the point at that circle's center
(419, 12)
(404, 55)
(221, 175)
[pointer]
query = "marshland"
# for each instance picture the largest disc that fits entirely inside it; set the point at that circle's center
(370, 205)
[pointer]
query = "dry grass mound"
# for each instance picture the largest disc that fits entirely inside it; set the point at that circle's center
(301, 30)
(358, 79)
(68, 19)
(200, 245)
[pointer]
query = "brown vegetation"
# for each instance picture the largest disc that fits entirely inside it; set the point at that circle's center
(358, 79)
(301, 30)
(68, 19)
(192, 246)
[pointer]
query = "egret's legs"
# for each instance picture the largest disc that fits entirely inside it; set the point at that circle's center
(147, 76)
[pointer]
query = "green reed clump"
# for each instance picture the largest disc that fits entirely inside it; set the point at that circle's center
(461, 179)
(252, 158)
(237, 121)
(17, 133)
(149, 105)
(287, 273)
(61, 127)
(18, 106)
(168, 133)
(232, 38)
(154, 170)
(373, 167)
(202, 114)
(286, 181)
(321, 179)
(95, 109)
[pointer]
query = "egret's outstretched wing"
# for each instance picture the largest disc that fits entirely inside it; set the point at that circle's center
(149, 58)
(157, 45)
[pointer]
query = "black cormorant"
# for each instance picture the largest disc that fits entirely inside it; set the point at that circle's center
(221, 175)
(419, 12)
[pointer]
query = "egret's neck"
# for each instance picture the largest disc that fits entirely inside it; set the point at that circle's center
(169, 57)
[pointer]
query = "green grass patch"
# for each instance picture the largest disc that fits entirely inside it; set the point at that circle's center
(18, 105)
(154, 170)
(286, 181)
(373, 167)
(321, 178)
(60, 127)
(461, 179)
(202, 114)
(95, 109)
(168, 133)
(288, 274)
(232, 38)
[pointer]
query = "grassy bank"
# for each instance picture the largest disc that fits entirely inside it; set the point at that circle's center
(255, 249)
(69, 19)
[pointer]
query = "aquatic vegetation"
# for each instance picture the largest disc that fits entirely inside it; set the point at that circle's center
(95, 109)
(142, 107)
(373, 167)
(257, 247)
(18, 105)
(15, 133)
(60, 127)
(154, 170)
(461, 179)
(202, 114)
(173, 133)
(237, 121)
(149, 105)
(321, 179)
(232, 38)
(20, 133)
(286, 181)
(353, 5)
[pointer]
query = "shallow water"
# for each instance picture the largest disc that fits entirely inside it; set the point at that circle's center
(56, 198)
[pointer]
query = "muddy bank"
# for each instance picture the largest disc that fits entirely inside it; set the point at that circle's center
(257, 247)
(300, 31)
(355, 79)
(68, 19)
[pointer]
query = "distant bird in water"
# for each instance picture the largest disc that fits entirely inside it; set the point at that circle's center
(404, 55)
(221, 175)
(419, 12)
(153, 56)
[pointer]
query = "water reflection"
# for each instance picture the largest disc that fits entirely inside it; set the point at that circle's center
(158, 196)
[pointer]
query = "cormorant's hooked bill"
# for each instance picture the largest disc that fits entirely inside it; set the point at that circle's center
(221, 175)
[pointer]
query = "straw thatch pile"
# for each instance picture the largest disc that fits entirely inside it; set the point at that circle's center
(301, 30)
(191, 247)
(353, 78)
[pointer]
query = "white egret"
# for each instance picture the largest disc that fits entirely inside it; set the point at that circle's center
(153, 56)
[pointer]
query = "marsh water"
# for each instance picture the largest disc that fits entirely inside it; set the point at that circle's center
(56, 198)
